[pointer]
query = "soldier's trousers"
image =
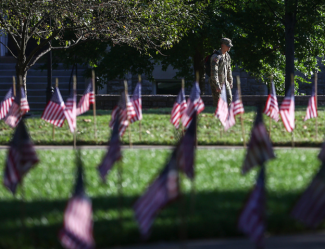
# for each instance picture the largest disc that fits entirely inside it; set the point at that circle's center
(216, 95)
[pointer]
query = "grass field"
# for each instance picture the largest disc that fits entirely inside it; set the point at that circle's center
(220, 194)
(157, 129)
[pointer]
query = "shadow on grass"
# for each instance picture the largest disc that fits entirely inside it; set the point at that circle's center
(215, 216)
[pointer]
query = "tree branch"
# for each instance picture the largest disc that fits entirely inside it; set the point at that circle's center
(9, 50)
(35, 59)
(9, 32)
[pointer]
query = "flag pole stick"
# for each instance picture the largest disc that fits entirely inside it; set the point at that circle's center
(139, 80)
(129, 126)
(292, 133)
(14, 85)
(183, 87)
(270, 120)
(75, 130)
(316, 125)
(94, 104)
(53, 127)
(241, 115)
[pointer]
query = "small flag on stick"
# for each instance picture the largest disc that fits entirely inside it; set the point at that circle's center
(237, 104)
(230, 121)
(260, 147)
(18, 108)
(6, 103)
(54, 110)
(194, 104)
(222, 109)
(77, 231)
(137, 104)
(70, 110)
(252, 218)
(86, 100)
(125, 112)
(162, 191)
(271, 107)
(20, 159)
(113, 153)
(287, 110)
(312, 107)
(178, 109)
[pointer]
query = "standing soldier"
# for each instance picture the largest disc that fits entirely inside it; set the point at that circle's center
(221, 71)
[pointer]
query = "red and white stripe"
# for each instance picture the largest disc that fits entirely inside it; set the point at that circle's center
(70, 112)
(14, 115)
(230, 121)
(222, 109)
(6, 104)
(84, 103)
(287, 112)
(54, 114)
(311, 108)
(271, 107)
(137, 106)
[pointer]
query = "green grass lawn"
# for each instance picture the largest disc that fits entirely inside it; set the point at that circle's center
(220, 193)
(157, 129)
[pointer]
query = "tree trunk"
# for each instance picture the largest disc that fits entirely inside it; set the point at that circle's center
(198, 64)
(289, 47)
(21, 75)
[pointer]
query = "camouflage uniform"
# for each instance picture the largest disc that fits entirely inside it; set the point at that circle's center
(221, 74)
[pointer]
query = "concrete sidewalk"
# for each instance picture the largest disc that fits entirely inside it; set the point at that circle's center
(304, 241)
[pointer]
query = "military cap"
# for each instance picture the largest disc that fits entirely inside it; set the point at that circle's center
(226, 41)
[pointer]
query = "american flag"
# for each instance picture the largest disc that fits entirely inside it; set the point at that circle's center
(113, 154)
(260, 147)
(125, 112)
(18, 108)
(271, 107)
(54, 110)
(186, 148)
(70, 110)
(310, 208)
(312, 106)
(287, 110)
(162, 191)
(6, 103)
(222, 109)
(252, 218)
(237, 104)
(230, 121)
(194, 104)
(178, 109)
(137, 103)
(87, 98)
(77, 231)
(20, 159)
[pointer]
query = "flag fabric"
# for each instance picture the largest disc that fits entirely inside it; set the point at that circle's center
(87, 98)
(310, 207)
(77, 231)
(178, 109)
(230, 121)
(70, 110)
(287, 110)
(222, 109)
(186, 149)
(163, 190)
(259, 147)
(252, 218)
(137, 103)
(18, 108)
(54, 110)
(321, 155)
(271, 107)
(6, 103)
(312, 106)
(20, 159)
(237, 104)
(114, 152)
(194, 104)
(125, 111)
